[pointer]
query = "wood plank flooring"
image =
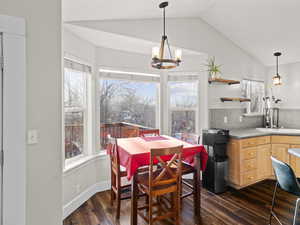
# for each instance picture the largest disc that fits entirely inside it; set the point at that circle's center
(248, 206)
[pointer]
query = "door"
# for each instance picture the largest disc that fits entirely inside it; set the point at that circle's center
(280, 152)
(264, 166)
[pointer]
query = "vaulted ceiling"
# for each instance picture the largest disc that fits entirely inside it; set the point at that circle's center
(260, 27)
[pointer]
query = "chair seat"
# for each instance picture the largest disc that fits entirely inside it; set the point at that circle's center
(187, 168)
(143, 180)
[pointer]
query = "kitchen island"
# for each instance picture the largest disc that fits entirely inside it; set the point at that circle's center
(249, 152)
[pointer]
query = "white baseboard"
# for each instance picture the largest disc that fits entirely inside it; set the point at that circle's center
(84, 196)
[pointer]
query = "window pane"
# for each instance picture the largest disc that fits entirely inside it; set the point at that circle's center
(183, 121)
(74, 108)
(183, 107)
(183, 94)
(255, 90)
(127, 101)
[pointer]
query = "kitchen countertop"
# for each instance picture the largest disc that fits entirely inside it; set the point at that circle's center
(253, 132)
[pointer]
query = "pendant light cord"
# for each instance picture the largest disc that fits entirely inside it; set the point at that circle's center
(164, 15)
(277, 65)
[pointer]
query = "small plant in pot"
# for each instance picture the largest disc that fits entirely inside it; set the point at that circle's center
(213, 69)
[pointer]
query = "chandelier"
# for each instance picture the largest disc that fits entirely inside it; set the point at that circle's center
(277, 78)
(158, 60)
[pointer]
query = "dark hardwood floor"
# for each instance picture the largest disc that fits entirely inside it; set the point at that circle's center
(248, 206)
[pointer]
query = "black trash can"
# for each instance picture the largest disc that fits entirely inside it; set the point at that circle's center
(215, 176)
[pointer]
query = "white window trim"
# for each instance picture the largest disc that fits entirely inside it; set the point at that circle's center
(87, 110)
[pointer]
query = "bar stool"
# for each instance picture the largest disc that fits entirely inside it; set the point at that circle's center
(288, 182)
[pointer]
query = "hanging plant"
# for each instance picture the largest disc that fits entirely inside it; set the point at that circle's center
(212, 68)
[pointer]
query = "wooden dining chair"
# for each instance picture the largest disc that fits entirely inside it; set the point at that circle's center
(188, 169)
(160, 181)
(116, 174)
(151, 132)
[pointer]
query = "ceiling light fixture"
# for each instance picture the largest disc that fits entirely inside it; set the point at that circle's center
(277, 78)
(158, 60)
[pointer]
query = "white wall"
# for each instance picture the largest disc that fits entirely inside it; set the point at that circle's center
(43, 99)
(289, 90)
(197, 35)
(81, 182)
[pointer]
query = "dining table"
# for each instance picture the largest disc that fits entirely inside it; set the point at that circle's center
(135, 153)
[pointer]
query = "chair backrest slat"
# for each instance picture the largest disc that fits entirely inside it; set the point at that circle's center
(285, 177)
(151, 132)
(112, 146)
(170, 171)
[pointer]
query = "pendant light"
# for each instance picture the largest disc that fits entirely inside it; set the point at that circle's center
(158, 60)
(277, 78)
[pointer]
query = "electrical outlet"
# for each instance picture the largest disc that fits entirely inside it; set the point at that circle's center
(225, 119)
(32, 137)
(241, 118)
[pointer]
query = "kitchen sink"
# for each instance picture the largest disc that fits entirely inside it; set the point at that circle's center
(279, 130)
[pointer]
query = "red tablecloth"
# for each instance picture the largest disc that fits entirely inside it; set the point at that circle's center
(135, 152)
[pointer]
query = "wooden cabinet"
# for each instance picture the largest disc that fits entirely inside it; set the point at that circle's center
(280, 152)
(249, 159)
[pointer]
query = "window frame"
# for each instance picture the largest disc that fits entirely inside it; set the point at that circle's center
(195, 109)
(248, 104)
(87, 112)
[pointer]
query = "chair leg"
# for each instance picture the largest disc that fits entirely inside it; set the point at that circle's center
(296, 210)
(196, 197)
(178, 207)
(112, 193)
(273, 203)
(118, 204)
(150, 210)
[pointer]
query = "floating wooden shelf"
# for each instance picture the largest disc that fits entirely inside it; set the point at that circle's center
(224, 81)
(235, 100)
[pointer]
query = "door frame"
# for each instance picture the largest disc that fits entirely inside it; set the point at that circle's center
(14, 123)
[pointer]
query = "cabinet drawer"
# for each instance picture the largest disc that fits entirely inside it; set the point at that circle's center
(249, 177)
(250, 164)
(248, 153)
(263, 140)
(251, 142)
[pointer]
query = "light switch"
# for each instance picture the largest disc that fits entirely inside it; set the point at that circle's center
(225, 119)
(32, 137)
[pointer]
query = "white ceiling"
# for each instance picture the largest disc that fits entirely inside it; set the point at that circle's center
(119, 42)
(76, 10)
(258, 26)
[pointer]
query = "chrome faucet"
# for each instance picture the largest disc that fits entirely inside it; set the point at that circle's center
(271, 115)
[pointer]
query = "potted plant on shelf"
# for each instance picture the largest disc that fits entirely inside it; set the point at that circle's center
(213, 69)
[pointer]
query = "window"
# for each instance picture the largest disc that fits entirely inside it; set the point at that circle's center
(75, 108)
(254, 90)
(183, 107)
(126, 101)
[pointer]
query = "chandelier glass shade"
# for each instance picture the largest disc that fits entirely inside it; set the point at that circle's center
(277, 78)
(159, 60)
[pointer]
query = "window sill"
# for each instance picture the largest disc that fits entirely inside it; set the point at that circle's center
(252, 114)
(81, 161)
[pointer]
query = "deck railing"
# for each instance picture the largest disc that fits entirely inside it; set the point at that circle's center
(74, 135)
(120, 130)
